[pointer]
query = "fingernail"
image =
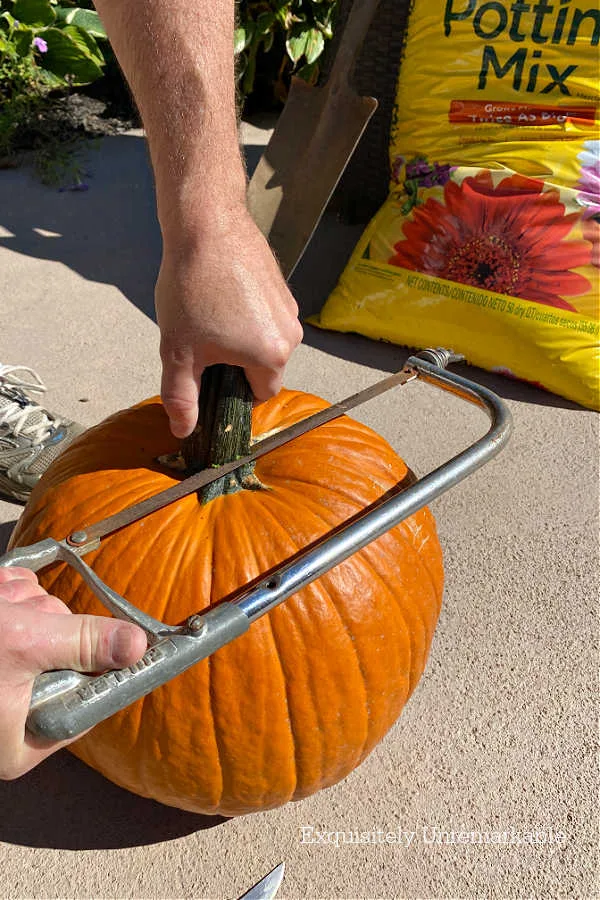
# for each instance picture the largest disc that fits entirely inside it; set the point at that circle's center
(121, 646)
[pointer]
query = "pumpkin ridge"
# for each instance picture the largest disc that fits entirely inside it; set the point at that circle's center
(333, 607)
(367, 708)
(264, 509)
(408, 546)
(407, 531)
(425, 569)
(184, 549)
(130, 538)
(247, 509)
(368, 565)
(402, 537)
(286, 409)
(354, 454)
(211, 682)
(377, 571)
(138, 736)
(318, 509)
(338, 491)
(128, 497)
(284, 680)
(429, 523)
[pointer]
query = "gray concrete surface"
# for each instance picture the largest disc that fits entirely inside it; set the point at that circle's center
(499, 736)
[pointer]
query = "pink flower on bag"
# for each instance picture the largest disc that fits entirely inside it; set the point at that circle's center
(589, 181)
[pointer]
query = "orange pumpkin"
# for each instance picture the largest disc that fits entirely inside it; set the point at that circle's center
(301, 699)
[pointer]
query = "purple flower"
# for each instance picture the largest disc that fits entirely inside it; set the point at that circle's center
(78, 186)
(40, 44)
(442, 174)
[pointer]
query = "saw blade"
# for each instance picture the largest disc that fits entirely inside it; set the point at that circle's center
(189, 485)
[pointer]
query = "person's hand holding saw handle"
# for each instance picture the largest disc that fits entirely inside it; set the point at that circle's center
(38, 634)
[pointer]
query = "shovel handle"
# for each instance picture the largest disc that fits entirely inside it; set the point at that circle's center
(355, 30)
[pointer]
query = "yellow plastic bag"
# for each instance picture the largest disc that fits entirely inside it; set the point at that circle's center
(490, 240)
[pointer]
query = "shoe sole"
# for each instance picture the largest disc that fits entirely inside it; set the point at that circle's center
(13, 491)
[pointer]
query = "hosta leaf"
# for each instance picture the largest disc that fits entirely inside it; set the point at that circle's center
(22, 39)
(315, 43)
(86, 19)
(264, 22)
(296, 45)
(86, 41)
(34, 12)
(69, 54)
(242, 37)
(51, 80)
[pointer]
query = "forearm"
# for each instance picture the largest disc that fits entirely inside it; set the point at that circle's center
(220, 294)
(178, 59)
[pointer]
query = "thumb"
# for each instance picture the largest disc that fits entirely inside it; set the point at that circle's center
(179, 393)
(83, 643)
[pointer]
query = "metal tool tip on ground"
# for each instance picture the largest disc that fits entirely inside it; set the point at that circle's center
(267, 887)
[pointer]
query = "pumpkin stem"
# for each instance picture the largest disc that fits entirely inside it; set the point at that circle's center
(223, 430)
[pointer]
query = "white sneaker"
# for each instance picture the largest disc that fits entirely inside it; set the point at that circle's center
(30, 437)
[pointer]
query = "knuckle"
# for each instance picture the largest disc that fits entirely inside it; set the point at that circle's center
(11, 574)
(299, 332)
(49, 604)
(89, 642)
(279, 353)
(6, 575)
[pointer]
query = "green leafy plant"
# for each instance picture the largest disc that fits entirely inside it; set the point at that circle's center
(285, 36)
(63, 40)
(46, 48)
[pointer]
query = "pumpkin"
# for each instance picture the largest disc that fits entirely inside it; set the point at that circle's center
(296, 703)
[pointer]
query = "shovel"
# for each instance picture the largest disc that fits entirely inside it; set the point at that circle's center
(315, 137)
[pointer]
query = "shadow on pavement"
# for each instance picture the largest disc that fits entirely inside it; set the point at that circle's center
(64, 805)
(391, 358)
(6, 529)
(110, 234)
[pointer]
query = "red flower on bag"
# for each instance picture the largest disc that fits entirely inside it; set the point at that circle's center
(508, 239)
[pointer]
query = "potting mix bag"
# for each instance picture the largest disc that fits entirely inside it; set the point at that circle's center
(489, 242)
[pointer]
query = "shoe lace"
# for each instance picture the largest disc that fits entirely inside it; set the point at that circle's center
(22, 415)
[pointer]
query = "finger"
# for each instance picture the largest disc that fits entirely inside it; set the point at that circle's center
(21, 590)
(179, 393)
(12, 573)
(83, 643)
(265, 383)
(45, 603)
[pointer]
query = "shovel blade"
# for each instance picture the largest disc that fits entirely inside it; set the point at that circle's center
(314, 138)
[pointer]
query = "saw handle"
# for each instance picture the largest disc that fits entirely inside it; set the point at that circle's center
(37, 556)
(64, 704)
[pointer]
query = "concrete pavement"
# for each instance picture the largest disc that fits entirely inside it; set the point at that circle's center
(501, 732)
